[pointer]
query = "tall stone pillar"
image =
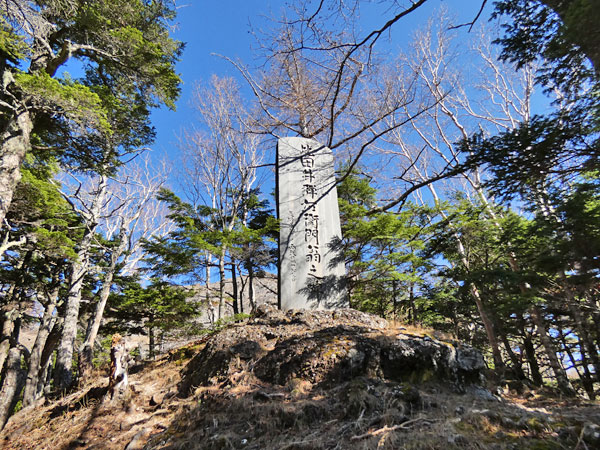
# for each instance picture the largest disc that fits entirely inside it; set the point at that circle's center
(311, 269)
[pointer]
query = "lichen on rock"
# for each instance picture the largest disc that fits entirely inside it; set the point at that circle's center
(325, 348)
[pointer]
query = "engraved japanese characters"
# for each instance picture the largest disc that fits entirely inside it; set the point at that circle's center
(311, 272)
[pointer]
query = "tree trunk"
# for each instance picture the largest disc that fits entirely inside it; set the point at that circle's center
(7, 330)
(151, 342)
(565, 345)
(594, 307)
(587, 343)
(11, 310)
(11, 330)
(35, 370)
(559, 373)
(63, 376)
(534, 368)
(516, 364)
(234, 287)
(395, 300)
(241, 295)
(45, 377)
(411, 304)
(209, 305)
(221, 282)
(487, 323)
(251, 286)
(86, 354)
(455, 323)
(489, 328)
(12, 384)
(588, 379)
(15, 142)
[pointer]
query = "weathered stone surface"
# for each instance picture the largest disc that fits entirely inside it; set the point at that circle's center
(311, 272)
(325, 348)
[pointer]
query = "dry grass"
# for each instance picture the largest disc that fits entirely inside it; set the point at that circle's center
(396, 326)
(88, 419)
(244, 412)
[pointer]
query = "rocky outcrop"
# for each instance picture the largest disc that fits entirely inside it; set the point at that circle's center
(328, 347)
(348, 384)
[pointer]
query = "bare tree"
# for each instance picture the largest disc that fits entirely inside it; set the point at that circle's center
(503, 98)
(136, 215)
(90, 204)
(222, 159)
(494, 97)
(315, 82)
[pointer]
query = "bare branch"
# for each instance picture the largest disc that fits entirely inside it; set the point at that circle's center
(472, 23)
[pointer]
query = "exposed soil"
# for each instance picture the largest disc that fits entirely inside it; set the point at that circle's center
(309, 380)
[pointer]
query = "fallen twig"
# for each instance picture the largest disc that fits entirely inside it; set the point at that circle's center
(387, 429)
(268, 396)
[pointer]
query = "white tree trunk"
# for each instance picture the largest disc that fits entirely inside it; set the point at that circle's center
(12, 384)
(87, 349)
(63, 376)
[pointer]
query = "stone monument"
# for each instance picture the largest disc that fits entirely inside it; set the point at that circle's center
(311, 270)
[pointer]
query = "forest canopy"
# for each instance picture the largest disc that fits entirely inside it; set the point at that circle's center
(467, 172)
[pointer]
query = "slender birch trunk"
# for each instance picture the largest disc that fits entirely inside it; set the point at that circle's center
(63, 376)
(87, 349)
(563, 383)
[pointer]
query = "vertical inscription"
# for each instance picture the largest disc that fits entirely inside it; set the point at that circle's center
(293, 253)
(309, 226)
(311, 219)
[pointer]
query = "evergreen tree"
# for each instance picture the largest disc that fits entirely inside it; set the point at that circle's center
(45, 230)
(381, 251)
(159, 307)
(185, 253)
(564, 143)
(124, 47)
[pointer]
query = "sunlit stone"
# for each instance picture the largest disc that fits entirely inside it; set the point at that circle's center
(311, 271)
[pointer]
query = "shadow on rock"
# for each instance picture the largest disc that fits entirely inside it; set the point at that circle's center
(325, 348)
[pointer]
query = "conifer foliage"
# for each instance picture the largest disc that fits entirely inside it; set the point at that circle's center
(84, 128)
(464, 208)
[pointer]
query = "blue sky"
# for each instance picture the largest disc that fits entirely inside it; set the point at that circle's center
(207, 28)
(211, 27)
